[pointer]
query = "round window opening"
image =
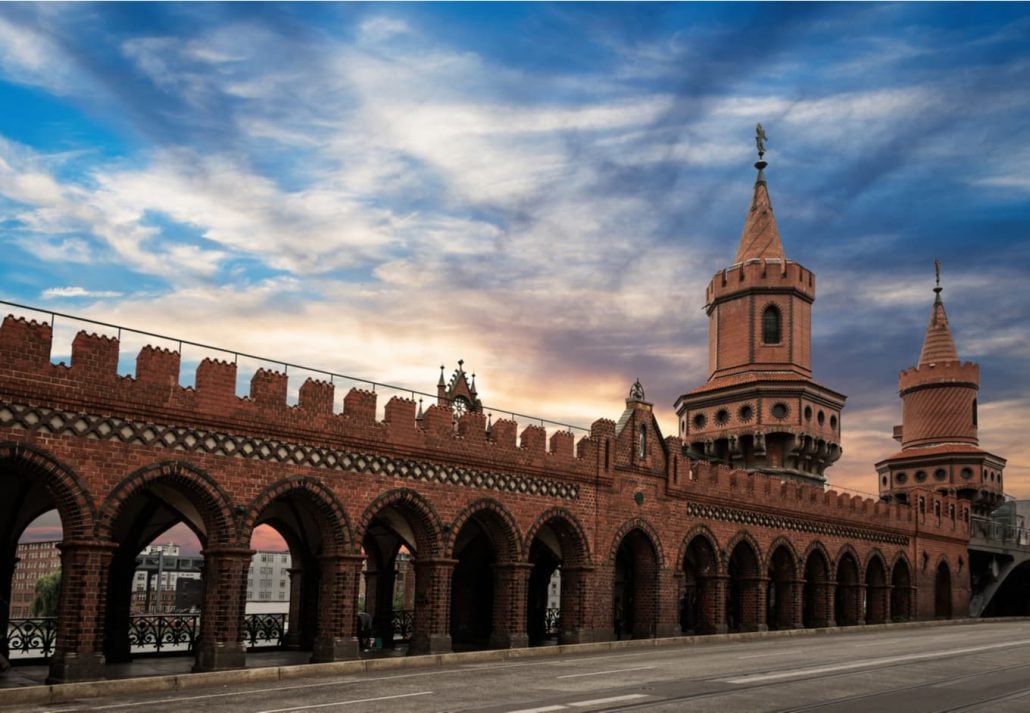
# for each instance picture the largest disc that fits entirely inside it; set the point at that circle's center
(746, 412)
(901, 478)
(920, 475)
(699, 421)
(940, 474)
(722, 416)
(833, 422)
(885, 481)
(808, 413)
(967, 473)
(779, 410)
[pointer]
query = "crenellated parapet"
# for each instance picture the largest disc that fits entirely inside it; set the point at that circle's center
(764, 274)
(955, 373)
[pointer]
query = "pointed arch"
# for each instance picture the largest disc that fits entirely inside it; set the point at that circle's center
(421, 515)
(845, 550)
(646, 529)
(702, 531)
(570, 527)
(877, 589)
(772, 324)
(203, 491)
(776, 544)
(74, 504)
(900, 558)
(498, 523)
(752, 543)
(337, 533)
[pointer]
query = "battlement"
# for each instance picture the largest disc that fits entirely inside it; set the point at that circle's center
(768, 493)
(949, 372)
(155, 392)
(767, 273)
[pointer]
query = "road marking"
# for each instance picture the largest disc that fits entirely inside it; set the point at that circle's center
(602, 673)
(762, 656)
(603, 701)
(545, 709)
(345, 703)
(801, 672)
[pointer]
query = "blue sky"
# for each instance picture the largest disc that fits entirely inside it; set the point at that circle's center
(542, 190)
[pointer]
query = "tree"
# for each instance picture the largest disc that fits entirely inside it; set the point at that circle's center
(48, 594)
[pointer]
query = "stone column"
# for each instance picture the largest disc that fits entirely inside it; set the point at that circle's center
(575, 588)
(222, 628)
(295, 627)
(878, 603)
(829, 598)
(667, 614)
(84, 576)
(511, 588)
(336, 638)
(432, 605)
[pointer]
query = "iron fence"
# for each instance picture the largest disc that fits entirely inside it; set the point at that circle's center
(989, 530)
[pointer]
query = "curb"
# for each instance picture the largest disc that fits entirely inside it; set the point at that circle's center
(65, 692)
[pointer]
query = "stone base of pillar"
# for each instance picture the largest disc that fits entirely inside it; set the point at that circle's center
(432, 644)
(717, 629)
(507, 640)
(665, 630)
(220, 656)
(755, 627)
(326, 649)
(67, 667)
(574, 636)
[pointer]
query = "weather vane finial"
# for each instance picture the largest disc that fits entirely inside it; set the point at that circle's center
(760, 140)
(937, 270)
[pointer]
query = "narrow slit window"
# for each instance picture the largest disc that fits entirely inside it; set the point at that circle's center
(642, 448)
(771, 325)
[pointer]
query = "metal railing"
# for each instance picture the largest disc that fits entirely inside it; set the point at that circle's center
(552, 621)
(994, 531)
(333, 376)
(148, 634)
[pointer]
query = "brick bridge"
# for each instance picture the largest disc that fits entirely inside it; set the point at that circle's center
(650, 541)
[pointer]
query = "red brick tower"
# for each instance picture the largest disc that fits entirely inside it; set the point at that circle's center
(938, 435)
(760, 409)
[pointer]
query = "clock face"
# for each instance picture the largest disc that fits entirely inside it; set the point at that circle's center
(460, 406)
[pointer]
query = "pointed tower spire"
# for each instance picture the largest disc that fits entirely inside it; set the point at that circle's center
(760, 238)
(938, 345)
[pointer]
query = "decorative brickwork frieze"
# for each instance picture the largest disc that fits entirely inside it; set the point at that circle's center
(190, 440)
(781, 522)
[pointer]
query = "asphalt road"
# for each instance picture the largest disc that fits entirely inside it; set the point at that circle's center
(978, 667)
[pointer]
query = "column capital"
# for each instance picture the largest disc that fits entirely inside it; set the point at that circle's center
(228, 552)
(84, 544)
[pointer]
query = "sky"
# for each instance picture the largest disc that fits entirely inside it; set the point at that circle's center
(542, 190)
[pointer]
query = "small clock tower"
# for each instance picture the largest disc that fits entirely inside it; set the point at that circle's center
(458, 394)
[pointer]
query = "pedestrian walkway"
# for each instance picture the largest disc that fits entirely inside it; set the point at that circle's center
(35, 674)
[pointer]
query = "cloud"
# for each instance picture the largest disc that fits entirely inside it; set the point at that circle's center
(77, 292)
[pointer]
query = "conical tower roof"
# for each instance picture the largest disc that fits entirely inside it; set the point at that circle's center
(938, 345)
(760, 238)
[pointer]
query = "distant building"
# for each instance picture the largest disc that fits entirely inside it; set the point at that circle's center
(268, 582)
(160, 583)
(33, 560)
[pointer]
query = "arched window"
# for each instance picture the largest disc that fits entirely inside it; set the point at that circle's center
(771, 325)
(642, 447)
(974, 412)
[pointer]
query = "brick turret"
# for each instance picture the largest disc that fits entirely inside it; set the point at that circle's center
(760, 409)
(938, 434)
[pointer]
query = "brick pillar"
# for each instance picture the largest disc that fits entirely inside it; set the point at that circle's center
(796, 587)
(667, 621)
(8, 563)
(336, 637)
(84, 572)
(511, 589)
(828, 600)
(432, 633)
(294, 626)
(222, 629)
(575, 588)
(753, 592)
(713, 604)
(878, 604)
